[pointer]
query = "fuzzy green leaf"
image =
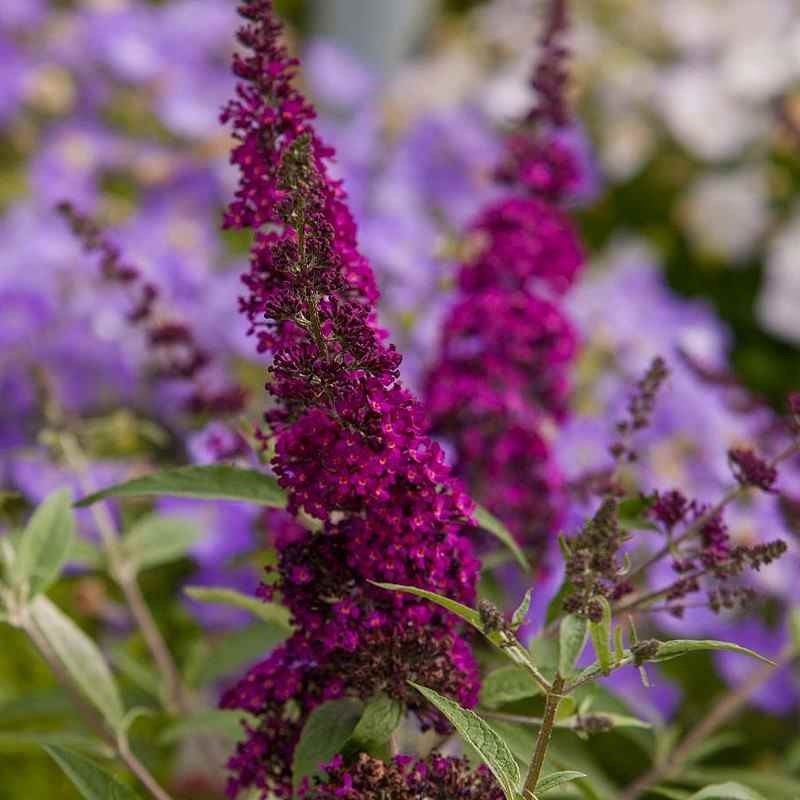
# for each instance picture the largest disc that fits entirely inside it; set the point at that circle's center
(726, 791)
(676, 648)
(158, 539)
(572, 635)
(601, 637)
(92, 782)
(325, 733)
(488, 522)
(466, 613)
(379, 721)
(555, 779)
(521, 611)
(269, 612)
(212, 482)
(507, 685)
(485, 741)
(81, 658)
(226, 724)
(45, 543)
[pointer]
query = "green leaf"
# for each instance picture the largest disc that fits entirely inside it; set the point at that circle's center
(555, 779)
(632, 513)
(572, 635)
(726, 791)
(507, 685)
(616, 720)
(86, 554)
(92, 782)
(488, 522)
(681, 647)
(24, 741)
(81, 658)
(157, 539)
(46, 543)
(212, 482)
(269, 612)
(233, 652)
(138, 673)
(379, 721)
(554, 608)
(670, 793)
(518, 617)
(485, 741)
(227, 724)
(466, 613)
(327, 730)
(794, 628)
(601, 637)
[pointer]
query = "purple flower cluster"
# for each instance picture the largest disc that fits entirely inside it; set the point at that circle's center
(434, 778)
(349, 441)
(502, 376)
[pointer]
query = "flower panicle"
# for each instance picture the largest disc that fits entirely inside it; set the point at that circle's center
(387, 506)
(501, 382)
(177, 355)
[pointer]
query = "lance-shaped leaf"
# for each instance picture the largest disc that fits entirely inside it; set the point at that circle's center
(601, 637)
(158, 539)
(45, 543)
(506, 643)
(507, 685)
(676, 648)
(325, 733)
(556, 779)
(81, 658)
(485, 741)
(488, 522)
(379, 721)
(466, 613)
(212, 482)
(726, 791)
(269, 612)
(92, 782)
(521, 611)
(572, 635)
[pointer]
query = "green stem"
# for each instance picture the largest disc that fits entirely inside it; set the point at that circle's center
(552, 701)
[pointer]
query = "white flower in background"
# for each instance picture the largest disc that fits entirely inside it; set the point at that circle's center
(727, 213)
(703, 114)
(778, 306)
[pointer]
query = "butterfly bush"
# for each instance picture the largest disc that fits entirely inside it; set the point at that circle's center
(502, 377)
(685, 463)
(385, 501)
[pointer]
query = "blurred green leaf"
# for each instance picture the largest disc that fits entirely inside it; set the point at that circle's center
(158, 539)
(23, 741)
(269, 612)
(726, 791)
(46, 543)
(227, 724)
(212, 482)
(488, 522)
(81, 658)
(92, 782)
(233, 652)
